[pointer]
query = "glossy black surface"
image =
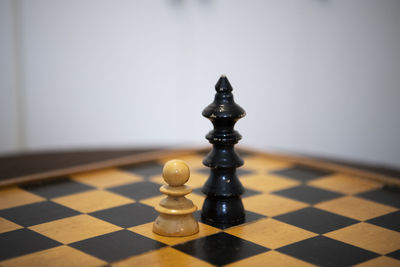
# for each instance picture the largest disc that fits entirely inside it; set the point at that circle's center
(249, 217)
(223, 204)
(223, 210)
(247, 192)
(220, 249)
(323, 251)
(240, 171)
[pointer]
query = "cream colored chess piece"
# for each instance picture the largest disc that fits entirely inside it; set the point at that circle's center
(176, 211)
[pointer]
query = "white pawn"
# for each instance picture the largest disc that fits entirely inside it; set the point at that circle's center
(176, 211)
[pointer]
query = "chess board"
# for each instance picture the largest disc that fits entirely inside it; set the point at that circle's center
(295, 216)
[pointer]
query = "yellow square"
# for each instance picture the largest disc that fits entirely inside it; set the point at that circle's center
(356, 208)
(345, 184)
(147, 230)
(106, 178)
(7, 226)
(368, 236)
(270, 258)
(263, 164)
(91, 201)
(270, 233)
(58, 256)
(164, 257)
(268, 183)
(14, 196)
(154, 201)
(72, 229)
(379, 262)
(196, 180)
(272, 205)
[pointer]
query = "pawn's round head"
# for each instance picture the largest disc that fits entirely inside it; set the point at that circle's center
(176, 172)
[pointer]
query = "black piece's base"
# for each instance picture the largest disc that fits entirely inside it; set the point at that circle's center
(223, 212)
(222, 225)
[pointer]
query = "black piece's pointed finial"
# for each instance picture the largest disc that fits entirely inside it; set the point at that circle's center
(223, 85)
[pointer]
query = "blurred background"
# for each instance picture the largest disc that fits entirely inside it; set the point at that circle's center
(316, 77)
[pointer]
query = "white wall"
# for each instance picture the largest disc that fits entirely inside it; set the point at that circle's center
(9, 117)
(315, 76)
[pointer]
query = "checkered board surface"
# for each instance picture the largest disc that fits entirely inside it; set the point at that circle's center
(295, 216)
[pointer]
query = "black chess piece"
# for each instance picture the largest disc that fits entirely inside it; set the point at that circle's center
(223, 204)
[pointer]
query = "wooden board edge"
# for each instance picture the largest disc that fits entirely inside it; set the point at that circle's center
(168, 153)
(326, 165)
(120, 161)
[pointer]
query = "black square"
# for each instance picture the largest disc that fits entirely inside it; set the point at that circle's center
(316, 220)
(127, 215)
(220, 248)
(57, 188)
(395, 254)
(145, 170)
(302, 173)
(388, 196)
(117, 245)
(250, 217)
(37, 213)
(390, 221)
(250, 192)
(137, 191)
(23, 241)
(323, 251)
(308, 194)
